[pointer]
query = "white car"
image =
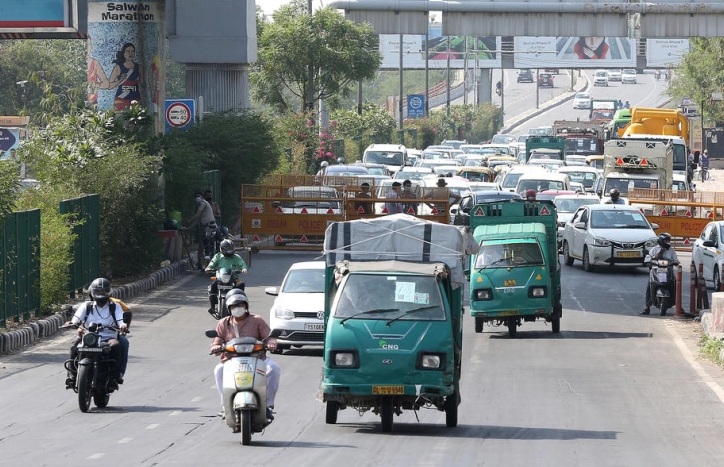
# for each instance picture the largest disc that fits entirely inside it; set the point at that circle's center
(566, 206)
(708, 250)
(628, 76)
(614, 75)
(298, 309)
(582, 100)
(600, 78)
(608, 235)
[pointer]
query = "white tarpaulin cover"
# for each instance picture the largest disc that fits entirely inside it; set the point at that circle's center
(400, 237)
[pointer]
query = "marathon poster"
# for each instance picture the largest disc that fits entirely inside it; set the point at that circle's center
(575, 52)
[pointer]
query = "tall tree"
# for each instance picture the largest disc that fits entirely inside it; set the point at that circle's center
(339, 51)
(700, 74)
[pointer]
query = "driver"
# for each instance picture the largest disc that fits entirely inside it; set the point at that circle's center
(241, 323)
(662, 250)
(225, 258)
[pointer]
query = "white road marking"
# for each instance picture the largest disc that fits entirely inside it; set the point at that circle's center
(97, 455)
(175, 412)
(196, 399)
(125, 440)
(152, 426)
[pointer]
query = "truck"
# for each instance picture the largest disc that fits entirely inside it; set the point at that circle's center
(393, 316)
(584, 138)
(556, 143)
(602, 111)
(662, 125)
(515, 276)
(633, 163)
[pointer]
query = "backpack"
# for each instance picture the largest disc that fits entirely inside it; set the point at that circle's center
(89, 308)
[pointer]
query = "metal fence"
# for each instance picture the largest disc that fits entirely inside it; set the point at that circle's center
(20, 266)
(85, 215)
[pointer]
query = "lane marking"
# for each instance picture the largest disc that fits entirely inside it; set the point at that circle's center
(174, 413)
(97, 455)
(152, 426)
(125, 441)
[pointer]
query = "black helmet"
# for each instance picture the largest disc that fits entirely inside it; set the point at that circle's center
(614, 193)
(100, 289)
(227, 248)
(664, 240)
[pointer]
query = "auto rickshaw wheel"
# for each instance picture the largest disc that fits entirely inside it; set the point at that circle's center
(479, 324)
(512, 327)
(451, 410)
(332, 411)
(387, 411)
(556, 324)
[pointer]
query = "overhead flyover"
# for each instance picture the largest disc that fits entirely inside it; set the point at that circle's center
(540, 18)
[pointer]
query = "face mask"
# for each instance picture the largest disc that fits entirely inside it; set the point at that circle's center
(238, 311)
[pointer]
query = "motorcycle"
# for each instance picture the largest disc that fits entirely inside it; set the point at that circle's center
(212, 239)
(244, 386)
(226, 280)
(94, 367)
(662, 283)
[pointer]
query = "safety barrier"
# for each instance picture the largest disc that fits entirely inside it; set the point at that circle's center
(84, 214)
(20, 265)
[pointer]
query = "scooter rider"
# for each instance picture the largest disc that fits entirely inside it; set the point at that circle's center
(102, 311)
(241, 323)
(226, 258)
(662, 250)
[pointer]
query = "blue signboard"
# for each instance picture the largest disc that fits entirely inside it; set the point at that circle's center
(32, 13)
(415, 105)
(180, 113)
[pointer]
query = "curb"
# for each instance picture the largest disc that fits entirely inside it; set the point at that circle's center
(49, 326)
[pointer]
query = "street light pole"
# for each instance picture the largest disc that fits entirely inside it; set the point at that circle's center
(399, 105)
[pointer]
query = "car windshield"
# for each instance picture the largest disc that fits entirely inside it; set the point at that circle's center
(384, 157)
(304, 281)
(510, 180)
(586, 178)
(508, 255)
(539, 185)
(615, 219)
(572, 204)
(390, 296)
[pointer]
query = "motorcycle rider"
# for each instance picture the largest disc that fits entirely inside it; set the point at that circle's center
(100, 310)
(241, 323)
(614, 197)
(225, 258)
(662, 250)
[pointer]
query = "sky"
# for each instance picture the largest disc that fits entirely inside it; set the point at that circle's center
(269, 6)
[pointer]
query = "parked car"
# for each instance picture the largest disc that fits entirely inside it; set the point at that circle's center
(600, 78)
(545, 80)
(608, 235)
(708, 250)
(582, 100)
(628, 76)
(614, 75)
(525, 76)
(298, 309)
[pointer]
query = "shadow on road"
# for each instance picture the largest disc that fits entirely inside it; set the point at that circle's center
(572, 335)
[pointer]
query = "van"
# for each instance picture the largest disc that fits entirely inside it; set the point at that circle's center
(600, 78)
(394, 156)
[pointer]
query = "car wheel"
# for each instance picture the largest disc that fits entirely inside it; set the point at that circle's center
(717, 279)
(587, 266)
(567, 258)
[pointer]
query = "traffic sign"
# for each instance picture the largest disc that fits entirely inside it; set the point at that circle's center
(180, 113)
(415, 105)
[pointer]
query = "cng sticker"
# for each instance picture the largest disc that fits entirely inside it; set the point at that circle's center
(544, 211)
(480, 279)
(479, 212)
(538, 277)
(384, 345)
(509, 283)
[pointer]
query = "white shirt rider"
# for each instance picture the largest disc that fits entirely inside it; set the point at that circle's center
(99, 315)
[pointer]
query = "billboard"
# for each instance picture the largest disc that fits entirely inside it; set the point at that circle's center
(42, 19)
(483, 48)
(574, 52)
(665, 52)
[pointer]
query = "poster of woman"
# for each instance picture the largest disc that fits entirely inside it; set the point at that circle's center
(574, 52)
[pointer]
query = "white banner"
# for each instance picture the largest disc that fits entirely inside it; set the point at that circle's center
(574, 52)
(665, 52)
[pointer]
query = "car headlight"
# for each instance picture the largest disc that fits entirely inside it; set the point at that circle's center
(598, 241)
(283, 313)
(430, 361)
(651, 242)
(344, 359)
(483, 294)
(537, 292)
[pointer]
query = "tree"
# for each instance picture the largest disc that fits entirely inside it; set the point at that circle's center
(339, 51)
(374, 125)
(699, 74)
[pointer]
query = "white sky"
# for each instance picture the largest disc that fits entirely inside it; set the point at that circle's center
(270, 6)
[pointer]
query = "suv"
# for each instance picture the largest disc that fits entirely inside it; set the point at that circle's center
(545, 80)
(600, 78)
(394, 156)
(525, 76)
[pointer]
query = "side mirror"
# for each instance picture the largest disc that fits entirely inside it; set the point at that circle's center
(211, 333)
(271, 291)
(579, 225)
(655, 226)
(708, 243)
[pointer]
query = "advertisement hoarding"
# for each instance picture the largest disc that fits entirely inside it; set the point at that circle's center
(574, 52)
(662, 53)
(42, 18)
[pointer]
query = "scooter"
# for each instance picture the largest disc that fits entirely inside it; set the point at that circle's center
(662, 283)
(244, 386)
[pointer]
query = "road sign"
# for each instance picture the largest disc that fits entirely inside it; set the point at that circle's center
(180, 113)
(415, 105)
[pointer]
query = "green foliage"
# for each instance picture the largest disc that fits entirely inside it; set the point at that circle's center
(56, 240)
(8, 186)
(339, 52)
(87, 152)
(700, 74)
(374, 125)
(711, 348)
(241, 146)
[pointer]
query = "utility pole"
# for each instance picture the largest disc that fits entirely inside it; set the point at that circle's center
(309, 105)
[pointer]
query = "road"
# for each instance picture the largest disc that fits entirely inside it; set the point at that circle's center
(612, 389)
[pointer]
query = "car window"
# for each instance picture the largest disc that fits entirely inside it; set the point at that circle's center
(714, 235)
(304, 281)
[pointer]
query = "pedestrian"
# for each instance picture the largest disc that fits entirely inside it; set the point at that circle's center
(704, 165)
(364, 207)
(209, 197)
(407, 193)
(441, 192)
(691, 168)
(393, 207)
(203, 220)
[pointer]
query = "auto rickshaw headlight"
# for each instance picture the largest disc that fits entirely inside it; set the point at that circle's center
(537, 292)
(483, 294)
(344, 359)
(430, 361)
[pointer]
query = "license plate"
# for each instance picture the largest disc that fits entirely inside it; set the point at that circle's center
(662, 277)
(243, 379)
(90, 349)
(385, 390)
(224, 287)
(628, 254)
(508, 313)
(314, 327)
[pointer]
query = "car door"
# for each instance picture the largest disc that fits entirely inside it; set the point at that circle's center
(580, 234)
(570, 233)
(708, 253)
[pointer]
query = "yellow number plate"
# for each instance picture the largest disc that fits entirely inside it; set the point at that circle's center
(628, 254)
(244, 378)
(508, 313)
(388, 389)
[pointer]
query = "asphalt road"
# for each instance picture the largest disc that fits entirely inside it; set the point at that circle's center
(612, 388)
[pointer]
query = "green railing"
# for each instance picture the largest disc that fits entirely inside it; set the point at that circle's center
(85, 214)
(20, 266)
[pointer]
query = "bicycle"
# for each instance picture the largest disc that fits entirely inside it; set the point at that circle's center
(701, 174)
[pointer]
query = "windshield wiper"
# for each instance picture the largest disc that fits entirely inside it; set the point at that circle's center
(501, 260)
(369, 312)
(414, 310)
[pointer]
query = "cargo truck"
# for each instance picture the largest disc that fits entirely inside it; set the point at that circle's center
(556, 143)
